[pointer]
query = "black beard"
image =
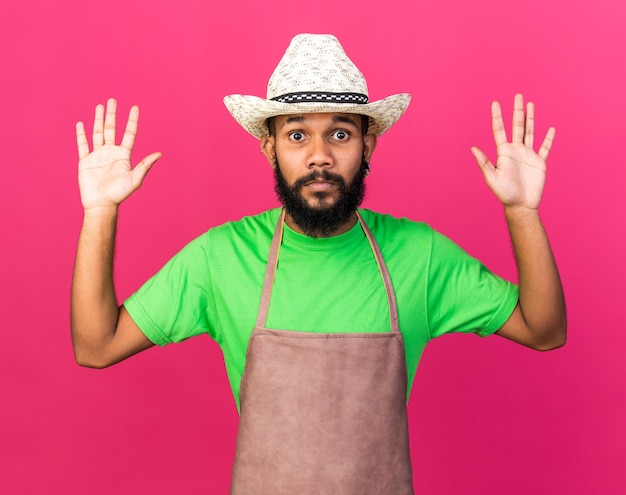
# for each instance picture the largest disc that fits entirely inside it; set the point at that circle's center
(321, 220)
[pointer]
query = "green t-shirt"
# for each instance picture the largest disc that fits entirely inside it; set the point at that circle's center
(329, 285)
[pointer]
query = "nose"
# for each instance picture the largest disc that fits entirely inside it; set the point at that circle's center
(319, 153)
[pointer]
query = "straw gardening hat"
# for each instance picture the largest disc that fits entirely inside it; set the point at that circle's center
(314, 76)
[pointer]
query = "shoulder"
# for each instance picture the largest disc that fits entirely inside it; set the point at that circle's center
(386, 227)
(409, 237)
(259, 224)
(249, 229)
(250, 232)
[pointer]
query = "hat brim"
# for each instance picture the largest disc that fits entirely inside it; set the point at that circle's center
(252, 112)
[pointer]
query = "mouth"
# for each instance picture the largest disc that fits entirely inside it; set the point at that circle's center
(320, 184)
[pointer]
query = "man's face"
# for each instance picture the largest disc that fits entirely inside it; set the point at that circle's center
(319, 160)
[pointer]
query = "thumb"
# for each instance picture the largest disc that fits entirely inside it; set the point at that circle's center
(486, 167)
(143, 167)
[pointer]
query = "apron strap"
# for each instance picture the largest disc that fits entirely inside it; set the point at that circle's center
(382, 267)
(272, 264)
(270, 271)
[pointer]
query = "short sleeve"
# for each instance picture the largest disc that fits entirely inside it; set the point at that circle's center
(173, 305)
(463, 294)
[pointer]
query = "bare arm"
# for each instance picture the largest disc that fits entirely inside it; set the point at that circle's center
(102, 332)
(517, 179)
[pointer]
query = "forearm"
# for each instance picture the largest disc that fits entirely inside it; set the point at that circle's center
(94, 307)
(541, 295)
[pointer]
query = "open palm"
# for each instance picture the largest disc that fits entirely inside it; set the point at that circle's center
(519, 175)
(105, 175)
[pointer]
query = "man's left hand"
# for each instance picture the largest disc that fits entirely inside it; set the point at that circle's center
(519, 175)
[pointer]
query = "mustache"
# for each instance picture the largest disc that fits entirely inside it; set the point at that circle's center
(317, 175)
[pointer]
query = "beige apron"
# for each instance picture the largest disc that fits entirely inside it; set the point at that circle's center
(323, 413)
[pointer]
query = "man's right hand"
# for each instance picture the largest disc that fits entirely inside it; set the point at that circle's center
(106, 176)
(103, 333)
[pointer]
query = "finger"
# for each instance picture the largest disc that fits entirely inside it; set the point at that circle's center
(81, 141)
(529, 128)
(483, 163)
(497, 124)
(130, 133)
(546, 146)
(98, 127)
(143, 167)
(517, 132)
(109, 122)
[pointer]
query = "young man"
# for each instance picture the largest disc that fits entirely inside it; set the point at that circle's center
(344, 299)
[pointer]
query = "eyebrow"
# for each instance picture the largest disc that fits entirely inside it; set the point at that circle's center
(293, 118)
(345, 120)
(336, 119)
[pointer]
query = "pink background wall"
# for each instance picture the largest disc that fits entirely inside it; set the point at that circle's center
(486, 416)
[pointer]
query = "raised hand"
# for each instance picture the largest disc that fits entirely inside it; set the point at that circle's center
(519, 175)
(106, 176)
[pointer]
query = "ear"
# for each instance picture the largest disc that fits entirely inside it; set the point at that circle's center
(267, 148)
(369, 144)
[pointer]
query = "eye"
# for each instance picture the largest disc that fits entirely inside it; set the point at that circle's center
(296, 135)
(341, 135)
